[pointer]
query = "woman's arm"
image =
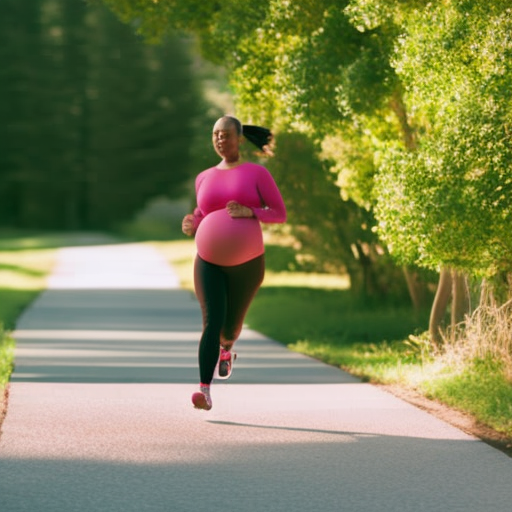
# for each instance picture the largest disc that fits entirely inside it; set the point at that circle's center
(191, 221)
(273, 209)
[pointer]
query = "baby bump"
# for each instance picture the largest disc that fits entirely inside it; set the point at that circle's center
(222, 240)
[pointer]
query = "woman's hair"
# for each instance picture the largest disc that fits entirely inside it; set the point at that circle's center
(257, 135)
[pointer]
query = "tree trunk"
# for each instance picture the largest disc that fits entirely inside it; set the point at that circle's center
(452, 285)
(417, 289)
(439, 306)
(397, 105)
(460, 299)
(411, 286)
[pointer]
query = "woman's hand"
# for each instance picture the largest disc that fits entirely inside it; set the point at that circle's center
(187, 225)
(237, 210)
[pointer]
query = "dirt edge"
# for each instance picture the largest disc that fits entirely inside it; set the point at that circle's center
(462, 421)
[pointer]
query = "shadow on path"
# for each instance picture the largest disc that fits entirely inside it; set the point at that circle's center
(366, 473)
(140, 336)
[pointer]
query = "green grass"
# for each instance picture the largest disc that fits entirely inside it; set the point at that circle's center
(26, 258)
(374, 344)
(479, 388)
(319, 316)
(315, 314)
(17, 240)
(22, 277)
(6, 358)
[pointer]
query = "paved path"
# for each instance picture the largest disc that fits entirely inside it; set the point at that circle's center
(100, 417)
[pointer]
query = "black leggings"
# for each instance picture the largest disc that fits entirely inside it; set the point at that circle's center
(225, 294)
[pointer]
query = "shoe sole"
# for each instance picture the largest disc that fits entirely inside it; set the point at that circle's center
(200, 402)
(220, 372)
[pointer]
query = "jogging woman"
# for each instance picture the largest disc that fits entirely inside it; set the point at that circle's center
(232, 199)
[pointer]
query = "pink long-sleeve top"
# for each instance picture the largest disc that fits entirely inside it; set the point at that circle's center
(227, 241)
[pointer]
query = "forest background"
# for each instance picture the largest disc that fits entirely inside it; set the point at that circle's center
(392, 122)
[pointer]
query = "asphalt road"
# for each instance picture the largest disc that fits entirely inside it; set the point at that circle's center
(100, 417)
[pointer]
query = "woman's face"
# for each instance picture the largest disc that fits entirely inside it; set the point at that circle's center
(226, 140)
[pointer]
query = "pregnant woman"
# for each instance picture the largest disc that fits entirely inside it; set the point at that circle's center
(232, 199)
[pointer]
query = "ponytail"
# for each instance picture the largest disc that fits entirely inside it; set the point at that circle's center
(259, 136)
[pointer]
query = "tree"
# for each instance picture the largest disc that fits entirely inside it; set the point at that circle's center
(333, 234)
(95, 122)
(302, 67)
(18, 36)
(398, 85)
(448, 205)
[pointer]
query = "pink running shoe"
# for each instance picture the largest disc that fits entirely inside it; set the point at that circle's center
(226, 360)
(202, 399)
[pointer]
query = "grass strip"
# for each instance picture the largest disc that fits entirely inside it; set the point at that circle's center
(26, 258)
(6, 358)
(379, 342)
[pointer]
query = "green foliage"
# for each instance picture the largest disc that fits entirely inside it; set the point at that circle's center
(450, 202)
(334, 235)
(292, 64)
(408, 99)
(155, 19)
(302, 67)
(313, 202)
(96, 122)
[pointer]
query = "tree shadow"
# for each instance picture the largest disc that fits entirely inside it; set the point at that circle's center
(149, 336)
(355, 471)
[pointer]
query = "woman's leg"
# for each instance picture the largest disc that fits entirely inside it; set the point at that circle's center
(210, 286)
(225, 294)
(243, 281)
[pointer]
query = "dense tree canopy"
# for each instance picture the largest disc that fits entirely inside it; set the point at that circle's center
(450, 202)
(286, 62)
(94, 121)
(409, 100)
